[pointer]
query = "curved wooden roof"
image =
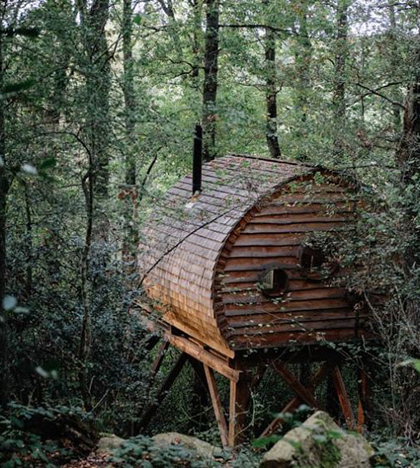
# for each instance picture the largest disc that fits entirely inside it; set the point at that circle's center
(184, 236)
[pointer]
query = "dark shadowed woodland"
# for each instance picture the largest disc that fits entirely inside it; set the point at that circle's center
(209, 225)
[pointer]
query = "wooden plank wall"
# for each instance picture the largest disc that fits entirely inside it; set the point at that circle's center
(309, 311)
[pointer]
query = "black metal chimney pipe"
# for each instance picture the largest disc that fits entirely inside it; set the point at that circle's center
(197, 159)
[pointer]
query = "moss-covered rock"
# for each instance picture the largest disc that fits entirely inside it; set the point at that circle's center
(319, 443)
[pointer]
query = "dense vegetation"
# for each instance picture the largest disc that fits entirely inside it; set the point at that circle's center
(98, 101)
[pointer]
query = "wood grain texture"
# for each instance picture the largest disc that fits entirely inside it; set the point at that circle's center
(201, 259)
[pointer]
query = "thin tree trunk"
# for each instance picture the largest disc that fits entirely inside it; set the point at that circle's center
(128, 90)
(394, 63)
(197, 11)
(95, 183)
(339, 95)
(303, 61)
(271, 92)
(4, 188)
(86, 333)
(130, 240)
(98, 84)
(29, 242)
(211, 56)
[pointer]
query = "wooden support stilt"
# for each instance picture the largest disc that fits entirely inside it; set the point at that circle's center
(217, 406)
(151, 342)
(240, 393)
(296, 401)
(343, 398)
(304, 394)
(167, 384)
(159, 358)
(364, 401)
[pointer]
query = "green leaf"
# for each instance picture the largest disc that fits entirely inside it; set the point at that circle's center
(15, 87)
(9, 302)
(47, 164)
(264, 441)
(27, 32)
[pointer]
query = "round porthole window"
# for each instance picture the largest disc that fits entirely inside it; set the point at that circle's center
(273, 282)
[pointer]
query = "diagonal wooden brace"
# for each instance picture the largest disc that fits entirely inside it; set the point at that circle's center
(296, 401)
(167, 384)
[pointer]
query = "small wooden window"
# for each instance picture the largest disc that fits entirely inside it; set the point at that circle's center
(311, 258)
(314, 264)
(274, 282)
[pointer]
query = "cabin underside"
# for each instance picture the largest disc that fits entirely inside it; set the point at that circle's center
(245, 372)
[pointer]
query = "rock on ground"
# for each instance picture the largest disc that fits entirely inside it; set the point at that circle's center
(107, 444)
(319, 442)
(203, 449)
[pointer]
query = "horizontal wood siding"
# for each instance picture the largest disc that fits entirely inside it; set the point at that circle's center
(309, 311)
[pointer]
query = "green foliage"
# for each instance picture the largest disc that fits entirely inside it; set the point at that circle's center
(142, 451)
(19, 446)
(394, 453)
(65, 125)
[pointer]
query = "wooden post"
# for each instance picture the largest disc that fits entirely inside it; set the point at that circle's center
(167, 384)
(151, 342)
(364, 401)
(240, 393)
(217, 406)
(159, 358)
(343, 398)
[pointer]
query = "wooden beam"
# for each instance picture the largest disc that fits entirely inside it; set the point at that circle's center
(151, 342)
(238, 408)
(364, 401)
(159, 358)
(304, 393)
(167, 384)
(296, 401)
(343, 398)
(217, 406)
(202, 355)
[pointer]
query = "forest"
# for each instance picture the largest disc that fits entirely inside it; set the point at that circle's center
(100, 105)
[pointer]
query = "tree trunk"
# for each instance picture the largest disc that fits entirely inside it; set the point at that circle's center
(271, 92)
(95, 182)
(4, 188)
(128, 90)
(339, 94)
(29, 242)
(303, 61)
(408, 155)
(211, 56)
(130, 192)
(197, 11)
(86, 333)
(98, 84)
(394, 63)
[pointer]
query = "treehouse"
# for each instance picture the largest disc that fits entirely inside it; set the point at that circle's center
(237, 279)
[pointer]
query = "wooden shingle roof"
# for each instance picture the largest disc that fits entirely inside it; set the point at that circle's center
(182, 239)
